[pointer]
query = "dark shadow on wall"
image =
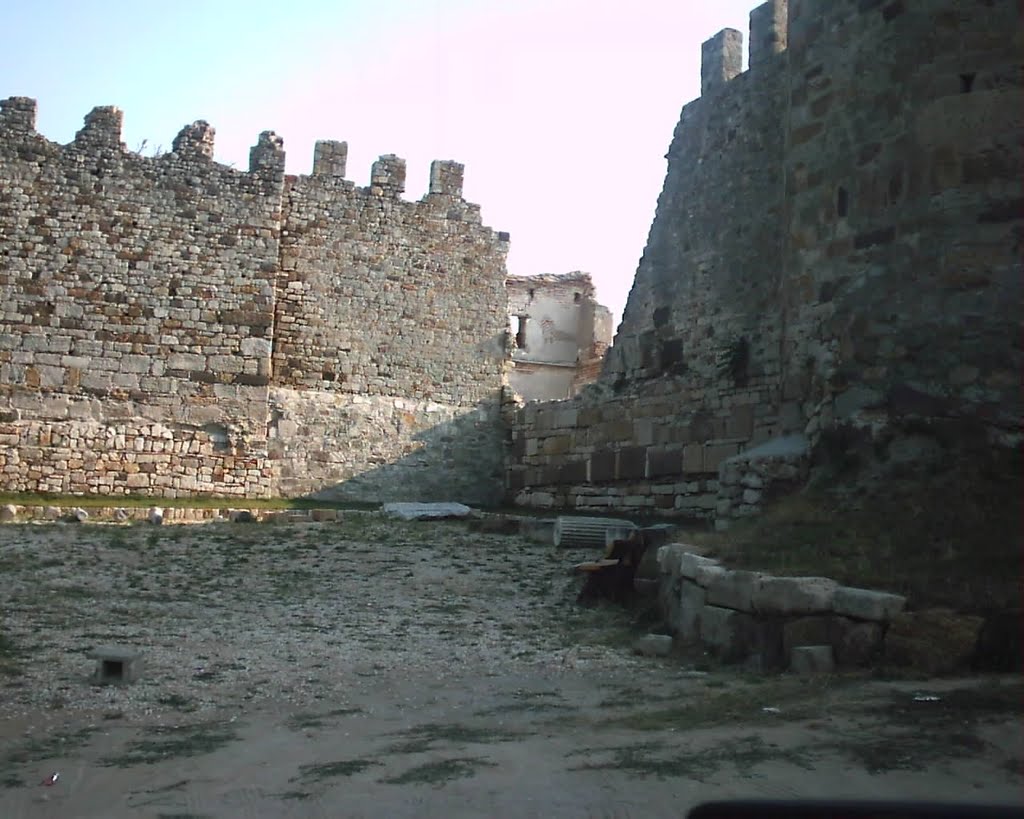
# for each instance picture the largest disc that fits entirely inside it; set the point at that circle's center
(348, 448)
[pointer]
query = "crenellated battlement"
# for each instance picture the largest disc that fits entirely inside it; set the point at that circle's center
(267, 155)
(387, 176)
(195, 140)
(722, 55)
(102, 127)
(769, 31)
(721, 59)
(202, 301)
(18, 114)
(330, 158)
(446, 178)
(101, 133)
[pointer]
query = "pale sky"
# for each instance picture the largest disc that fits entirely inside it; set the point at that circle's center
(561, 110)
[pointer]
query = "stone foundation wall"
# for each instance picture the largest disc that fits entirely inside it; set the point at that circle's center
(760, 619)
(657, 450)
(337, 446)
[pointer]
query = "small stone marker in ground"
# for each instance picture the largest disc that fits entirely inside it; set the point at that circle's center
(116, 664)
(156, 516)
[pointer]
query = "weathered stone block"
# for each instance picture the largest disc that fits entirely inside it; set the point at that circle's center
(806, 631)
(662, 463)
(116, 664)
(690, 563)
(668, 558)
(734, 590)
(812, 660)
(632, 463)
(717, 453)
(693, 458)
(602, 466)
(865, 604)
(726, 632)
(691, 602)
(653, 645)
(793, 595)
(705, 574)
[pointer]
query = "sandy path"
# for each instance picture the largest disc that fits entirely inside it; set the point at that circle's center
(375, 669)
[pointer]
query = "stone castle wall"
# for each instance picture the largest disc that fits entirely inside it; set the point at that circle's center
(837, 241)
(390, 338)
(171, 326)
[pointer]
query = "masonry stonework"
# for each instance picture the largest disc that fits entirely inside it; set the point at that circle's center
(172, 326)
(837, 243)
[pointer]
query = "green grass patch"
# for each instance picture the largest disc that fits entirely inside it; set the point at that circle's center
(319, 771)
(193, 502)
(424, 737)
(441, 772)
(649, 759)
(795, 697)
(38, 749)
(947, 538)
(162, 743)
(308, 720)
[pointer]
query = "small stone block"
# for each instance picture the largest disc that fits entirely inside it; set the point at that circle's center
(116, 664)
(325, 515)
(653, 645)
(811, 660)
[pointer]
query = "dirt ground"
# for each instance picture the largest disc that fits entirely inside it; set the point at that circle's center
(375, 668)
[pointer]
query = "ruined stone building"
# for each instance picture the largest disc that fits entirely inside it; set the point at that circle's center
(559, 335)
(837, 242)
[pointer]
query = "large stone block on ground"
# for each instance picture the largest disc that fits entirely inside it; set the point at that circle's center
(668, 558)
(935, 641)
(689, 562)
(668, 599)
(653, 645)
(793, 595)
(726, 632)
(865, 604)
(691, 601)
(706, 573)
(426, 511)
(812, 660)
(733, 636)
(734, 590)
